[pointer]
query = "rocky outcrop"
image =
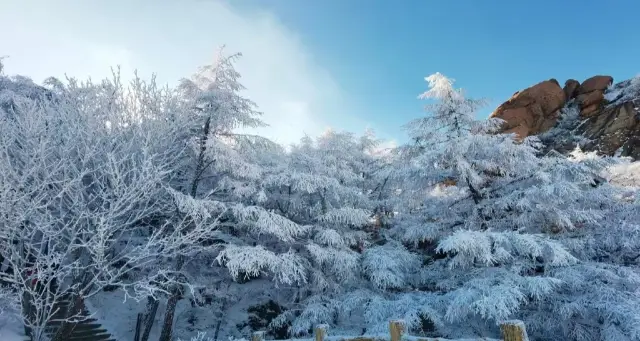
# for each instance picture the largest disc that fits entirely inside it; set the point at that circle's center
(607, 120)
(614, 129)
(590, 94)
(571, 89)
(532, 110)
(595, 83)
(590, 102)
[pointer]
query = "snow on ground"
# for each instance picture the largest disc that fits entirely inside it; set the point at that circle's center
(116, 316)
(624, 91)
(7, 334)
(626, 175)
(11, 330)
(119, 317)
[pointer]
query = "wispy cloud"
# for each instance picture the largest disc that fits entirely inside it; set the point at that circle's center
(172, 38)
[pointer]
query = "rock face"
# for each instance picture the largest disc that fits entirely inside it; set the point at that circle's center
(608, 120)
(532, 110)
(595, 83)
(590, 94)
(614, 129)
(571, 89)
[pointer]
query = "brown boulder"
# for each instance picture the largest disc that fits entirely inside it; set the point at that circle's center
(533, 110)
(590, 110)
(591, 98)
(571, 88)
(590, 94)
(594, 83)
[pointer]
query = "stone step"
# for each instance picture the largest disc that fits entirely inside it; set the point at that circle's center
(79, 332)
(88, 326)
(57, 323)
(97, 337)
(86, 330)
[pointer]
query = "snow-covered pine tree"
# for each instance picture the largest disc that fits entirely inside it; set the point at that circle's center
(596, 298)
(223, 174)
(328, 184)
(483, 223)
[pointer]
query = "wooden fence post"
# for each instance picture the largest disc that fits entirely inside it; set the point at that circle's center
(257, 336)
(514, 331)
(396, 328)
(320, 332)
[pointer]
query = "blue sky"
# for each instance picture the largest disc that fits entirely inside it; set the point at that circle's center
(381, 49)
(340, 63)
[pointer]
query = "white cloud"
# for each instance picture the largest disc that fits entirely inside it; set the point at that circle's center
(172, 38)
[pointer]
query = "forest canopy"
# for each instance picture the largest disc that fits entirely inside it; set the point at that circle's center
(157, 196)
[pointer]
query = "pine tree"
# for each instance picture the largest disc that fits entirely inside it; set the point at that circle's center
(158, 193)
(224, 177)
(483, 221)
(327, 184)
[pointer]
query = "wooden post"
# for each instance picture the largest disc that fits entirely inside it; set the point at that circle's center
(320, 332)
(396, 328)
(257, 336)
(514, 331)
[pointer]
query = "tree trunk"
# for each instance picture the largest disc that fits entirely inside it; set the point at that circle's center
(477, 197)
(323, 201)
(217, 330)
(216, 333)
(139, 322)
(149, 317)
(28, 315)
(167, 325)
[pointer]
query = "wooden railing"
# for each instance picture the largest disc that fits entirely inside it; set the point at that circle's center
(511, 331)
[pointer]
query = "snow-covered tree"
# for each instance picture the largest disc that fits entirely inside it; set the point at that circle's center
(596, 296)
(78, 186)
(158, 193)
(222, 172)
(327, 184)
(485, 223)
(116, 185)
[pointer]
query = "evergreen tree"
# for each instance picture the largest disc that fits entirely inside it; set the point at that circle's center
(326, 184)
(485, 222)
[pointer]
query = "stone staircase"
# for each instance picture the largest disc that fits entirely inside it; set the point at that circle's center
(86, 330)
